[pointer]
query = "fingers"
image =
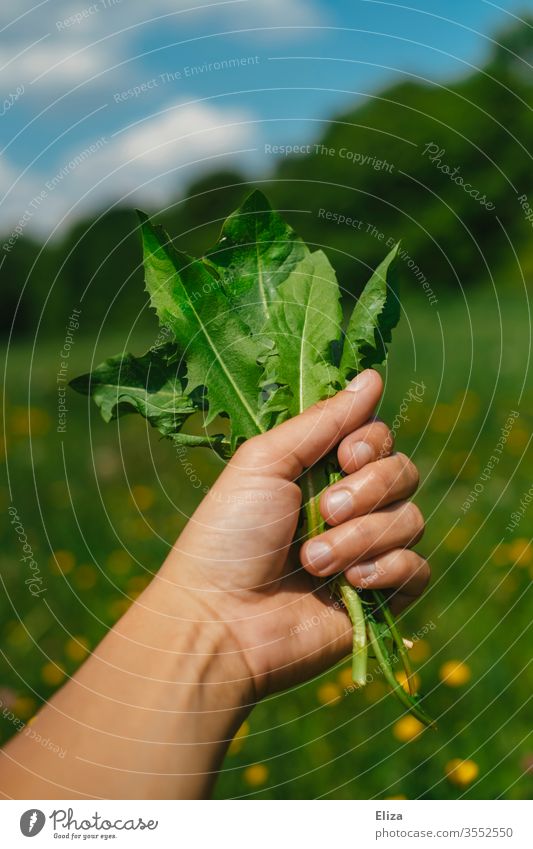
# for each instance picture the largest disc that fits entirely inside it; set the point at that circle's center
(401, 569)
(362, 538)
(368, 443)
(375, 485)
(299, 442)
(401, 572)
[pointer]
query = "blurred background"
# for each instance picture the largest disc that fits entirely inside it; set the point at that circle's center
(363, 121)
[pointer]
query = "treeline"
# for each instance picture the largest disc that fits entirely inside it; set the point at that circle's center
(446, 168)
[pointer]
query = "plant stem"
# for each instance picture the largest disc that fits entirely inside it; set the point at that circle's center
(384, 662)
(362, 614)
(354, 607)
(314, 481)
(398, 641)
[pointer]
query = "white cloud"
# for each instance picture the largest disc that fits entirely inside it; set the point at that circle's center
(196, 128)
(146, 164)
(72, 42)
(62, 44)
(61, 64)
(98, 17)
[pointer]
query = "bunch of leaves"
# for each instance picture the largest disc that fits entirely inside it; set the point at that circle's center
(253, 333)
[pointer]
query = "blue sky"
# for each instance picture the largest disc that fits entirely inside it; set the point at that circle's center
(100, 104)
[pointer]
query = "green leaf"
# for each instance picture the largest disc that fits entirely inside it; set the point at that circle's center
(375, 315)
(256, 251)
(305, 322)
(220, 353)
(149, 385)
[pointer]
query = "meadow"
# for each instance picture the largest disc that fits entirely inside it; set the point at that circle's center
(100, 504)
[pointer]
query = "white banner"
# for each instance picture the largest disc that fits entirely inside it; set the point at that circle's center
(264, 824)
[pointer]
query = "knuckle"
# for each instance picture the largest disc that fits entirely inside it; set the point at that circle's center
(409, 470)
(385, 439)
(321, 406)
(415, 518)
(252, 453)
(388, 442)
(326, 407)
(423, 572)
(362, 540)
(382, 478)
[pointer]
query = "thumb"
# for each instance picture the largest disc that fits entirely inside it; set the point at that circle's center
(286, 450)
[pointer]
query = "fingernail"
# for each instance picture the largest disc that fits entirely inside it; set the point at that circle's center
(362, 453)
(318, 555)
(339, 501)
(360, 382)
(361, 573)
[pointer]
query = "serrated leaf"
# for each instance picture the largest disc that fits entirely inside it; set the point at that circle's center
(256, 251)
(220, 353)
(375, 315)
(150, 385)
(304, 323)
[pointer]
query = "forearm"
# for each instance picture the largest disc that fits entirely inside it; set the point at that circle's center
(149, 715)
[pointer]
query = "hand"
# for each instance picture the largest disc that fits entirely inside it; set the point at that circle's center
(238, 565)
(232, 615)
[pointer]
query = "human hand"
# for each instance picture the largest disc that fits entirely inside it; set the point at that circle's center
(233, 614)
(239, 565)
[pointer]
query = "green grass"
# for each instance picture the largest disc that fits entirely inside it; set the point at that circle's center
(101, 504)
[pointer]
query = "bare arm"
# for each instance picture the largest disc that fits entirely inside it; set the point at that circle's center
(152, 711)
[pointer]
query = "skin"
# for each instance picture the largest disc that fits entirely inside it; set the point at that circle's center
(152, 711)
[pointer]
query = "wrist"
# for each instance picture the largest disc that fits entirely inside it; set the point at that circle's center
(207, 654)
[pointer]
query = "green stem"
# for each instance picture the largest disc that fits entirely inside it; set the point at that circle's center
(313, 484)
(365, 627)
(383, 659)
(398, 640)
(352, 602)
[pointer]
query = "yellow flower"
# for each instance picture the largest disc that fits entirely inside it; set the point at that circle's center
(329, 693)
(238, 741)
(443, 418)
(456, 539)
(457, 462)
(26, 420)
(24, 707)
(345, 677)
(62, 562)
(521, 552)
(119, 562)
(52, 674)
(501, 554)
(420, 651)
(455, 673)
(85, 576)
(401, 678)
(77, 648)
(143, 496)
(468, 404)
(461, 773)
(137, 584)
(18, 636)
(256, 775)
(118, 607)
(407, 728)
(517, 439)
